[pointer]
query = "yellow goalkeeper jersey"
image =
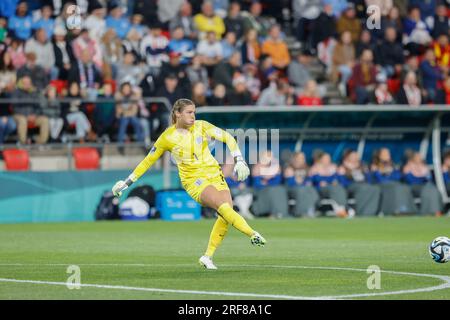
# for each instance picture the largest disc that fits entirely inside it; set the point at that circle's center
(190, 151)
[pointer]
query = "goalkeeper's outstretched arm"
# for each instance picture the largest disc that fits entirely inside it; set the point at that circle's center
(155, 153)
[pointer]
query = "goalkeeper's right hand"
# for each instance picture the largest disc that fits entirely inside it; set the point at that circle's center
(119, 187)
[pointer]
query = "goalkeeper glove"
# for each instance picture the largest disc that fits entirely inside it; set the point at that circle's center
(119, 187)
(241, 169)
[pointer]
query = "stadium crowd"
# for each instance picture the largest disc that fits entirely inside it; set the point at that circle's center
(215, 52)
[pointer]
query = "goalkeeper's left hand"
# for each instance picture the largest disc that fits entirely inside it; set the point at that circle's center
(241, 169)
(119, 187)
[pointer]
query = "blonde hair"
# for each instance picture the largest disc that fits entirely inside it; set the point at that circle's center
(179, 106)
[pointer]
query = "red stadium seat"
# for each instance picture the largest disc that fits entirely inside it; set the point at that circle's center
(86, 158)
(16, 160)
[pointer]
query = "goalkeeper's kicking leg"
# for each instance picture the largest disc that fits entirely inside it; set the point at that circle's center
(221, 202)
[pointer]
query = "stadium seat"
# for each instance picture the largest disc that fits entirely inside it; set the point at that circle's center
(16, 159)
(86, 158)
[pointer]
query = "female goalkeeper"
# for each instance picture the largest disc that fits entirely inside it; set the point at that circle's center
(200, 174)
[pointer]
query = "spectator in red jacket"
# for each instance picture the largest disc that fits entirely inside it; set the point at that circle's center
(310, 96)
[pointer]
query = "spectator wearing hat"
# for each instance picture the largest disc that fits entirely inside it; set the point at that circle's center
(39, 77)
(349, 22)
(154, 49)
(181, 45)
(62, 51)
(45, 56)
(117, 21)
(277, 48)
(239, 96)
(207, 20)
(185, 20)
(95, 22)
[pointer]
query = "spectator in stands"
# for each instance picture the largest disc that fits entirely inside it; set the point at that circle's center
(324, 177)
(17, 52)
(207, 21)
(7, 123)
(417, 33)
(45, 56)
(254, 20)
(112, 50)
(132, 44)
(300, 186)
(148, 9)
(225, 71)
(365, 42)
(62, 51)
(154, 49)
(228, 44)
(310, 95)
(7, 8)
(117, 21)
(175, 67)
(8, 75)
(220, 7)
(393, 20)
(324, 27)
(240, 190)
(418, 176)
(233, 21)
(137, 26)
(199, 94)
(179, 44)
(298, 70)
(71, 111)
(196, 72)
(441, 21)
(250, 48)
(104, 113)
(353, 175)
(270, 194)
(267, 73)
(85, 42)
(410, 93)
(95, 23)
(218, 97)
(384, 5)
(427, 8)
(442, 52)
(431, 75)
(250, 72)
(51, 108)
(412, 64)
(443, 95)
(239, 96)
(127, 112)
(277, 48)
(185, 20)
(25, 113)
(396, 197)
(210, 51)
(39, 77)
(170, 90)
(279, 94)
(363, 79)
(343, 61)
(349, 22)
(389, 55)
(305, 13)
(128, 71)
(85, 72)
(21, 23)
(382, 94)
(167, 10)
(46, 21)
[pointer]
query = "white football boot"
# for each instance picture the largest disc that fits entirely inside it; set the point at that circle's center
(206, 262)
(257, 240)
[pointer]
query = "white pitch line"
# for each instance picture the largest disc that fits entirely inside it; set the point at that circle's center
(445, 279)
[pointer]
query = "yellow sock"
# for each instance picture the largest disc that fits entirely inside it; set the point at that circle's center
(218, 232)
(232, 217)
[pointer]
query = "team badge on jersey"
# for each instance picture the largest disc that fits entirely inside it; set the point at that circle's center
(198, 182)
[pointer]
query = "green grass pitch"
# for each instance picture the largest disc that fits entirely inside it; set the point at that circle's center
(322, 258)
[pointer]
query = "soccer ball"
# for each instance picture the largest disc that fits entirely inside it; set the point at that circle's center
(440, 249)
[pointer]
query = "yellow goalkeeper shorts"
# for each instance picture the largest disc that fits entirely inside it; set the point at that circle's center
(195, 187)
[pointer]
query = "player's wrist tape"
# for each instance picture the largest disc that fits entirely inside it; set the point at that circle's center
(238, 158)
(130, 180)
